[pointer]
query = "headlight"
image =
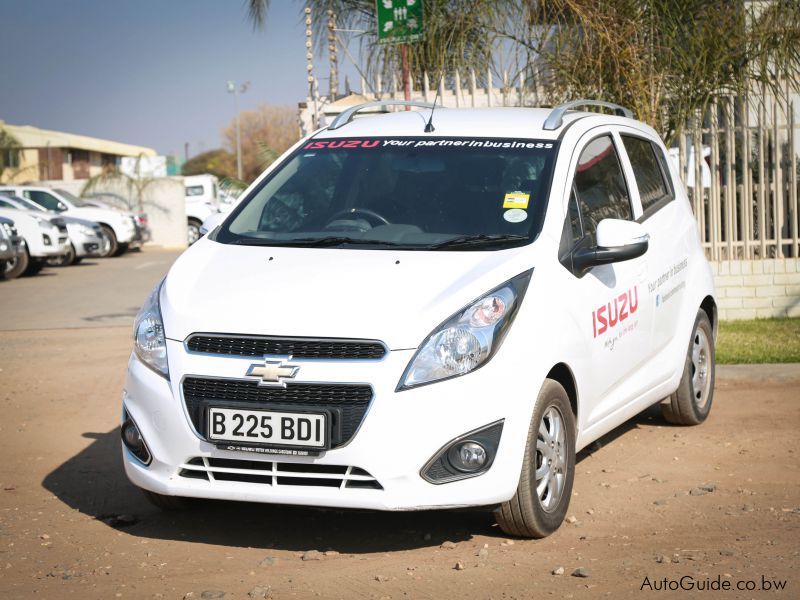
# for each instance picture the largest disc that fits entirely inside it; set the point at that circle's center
(149, 342)
(468, 339)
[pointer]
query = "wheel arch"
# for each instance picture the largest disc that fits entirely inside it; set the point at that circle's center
(563, 375)
(709, 306)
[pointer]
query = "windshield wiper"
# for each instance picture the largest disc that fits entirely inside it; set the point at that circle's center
(322, 242)
(481, 239)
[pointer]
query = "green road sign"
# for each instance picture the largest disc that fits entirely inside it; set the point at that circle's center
(399, 21)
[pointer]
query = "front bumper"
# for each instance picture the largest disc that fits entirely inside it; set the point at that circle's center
(397, 437)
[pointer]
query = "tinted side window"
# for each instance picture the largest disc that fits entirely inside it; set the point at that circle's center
(648, 172)
(600, 185)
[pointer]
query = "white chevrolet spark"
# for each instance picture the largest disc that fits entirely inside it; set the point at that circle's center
(412, 311)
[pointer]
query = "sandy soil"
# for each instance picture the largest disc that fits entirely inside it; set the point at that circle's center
(71, 526)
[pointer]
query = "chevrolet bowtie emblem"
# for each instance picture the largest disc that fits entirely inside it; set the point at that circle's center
(273, 372)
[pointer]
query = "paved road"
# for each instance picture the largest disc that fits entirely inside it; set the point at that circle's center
(95, 293)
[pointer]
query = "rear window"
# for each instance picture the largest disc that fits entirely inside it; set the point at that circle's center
(406, 192)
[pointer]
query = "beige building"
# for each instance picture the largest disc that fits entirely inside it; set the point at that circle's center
(55, 155)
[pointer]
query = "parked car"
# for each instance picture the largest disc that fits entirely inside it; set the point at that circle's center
(415, 311)
(85, 237)
(118, 227)
(10, 247)
(116, 202)
(201, 203)
(42, 239)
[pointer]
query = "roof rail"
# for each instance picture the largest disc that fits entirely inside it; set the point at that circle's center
(555, 118)
(346, 116)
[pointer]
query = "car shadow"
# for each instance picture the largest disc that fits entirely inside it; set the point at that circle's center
(650, 417)
(94, 482)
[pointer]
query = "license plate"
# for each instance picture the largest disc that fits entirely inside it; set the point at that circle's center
(266, 427)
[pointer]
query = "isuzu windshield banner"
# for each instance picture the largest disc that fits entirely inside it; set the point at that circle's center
(426, 143)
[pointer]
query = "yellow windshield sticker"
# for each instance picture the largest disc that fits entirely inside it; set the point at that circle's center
(516, 200)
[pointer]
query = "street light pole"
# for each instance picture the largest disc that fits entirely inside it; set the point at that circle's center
(233, 89)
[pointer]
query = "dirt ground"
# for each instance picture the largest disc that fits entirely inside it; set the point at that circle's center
(71, 526)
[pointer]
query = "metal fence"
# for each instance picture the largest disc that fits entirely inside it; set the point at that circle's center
(744, 188)
(746, 201)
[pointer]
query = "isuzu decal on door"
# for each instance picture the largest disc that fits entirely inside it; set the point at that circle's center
(616, 311)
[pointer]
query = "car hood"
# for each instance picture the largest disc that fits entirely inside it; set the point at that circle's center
(99, 215)
(76, 221)
(397, 297)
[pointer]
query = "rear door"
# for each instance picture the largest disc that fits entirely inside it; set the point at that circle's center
(668, 251)
(606, 300)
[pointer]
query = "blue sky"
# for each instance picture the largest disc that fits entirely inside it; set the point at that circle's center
(147, 72)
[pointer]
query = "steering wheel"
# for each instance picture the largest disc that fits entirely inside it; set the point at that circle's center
(358, 211)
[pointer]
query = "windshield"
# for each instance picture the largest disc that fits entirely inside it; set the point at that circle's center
(27, 204)
(72, 198)
(426, 193)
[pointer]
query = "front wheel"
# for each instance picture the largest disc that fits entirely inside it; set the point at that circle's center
(18, 265)
(691, 402)
(110, 245)
(545, 485)
(64, 260)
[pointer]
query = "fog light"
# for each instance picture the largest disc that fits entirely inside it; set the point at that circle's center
(471, 455)
(133, 440)
(466, 456)
(46, 239)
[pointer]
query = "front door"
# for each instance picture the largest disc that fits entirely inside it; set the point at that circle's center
(608, 299)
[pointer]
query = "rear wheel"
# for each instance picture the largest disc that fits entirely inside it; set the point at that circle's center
(691, 402)
(166, 502)
(192, 231)
(110, 245)
(121, 249)
(64, 260)
(17, 265)
(548, 468)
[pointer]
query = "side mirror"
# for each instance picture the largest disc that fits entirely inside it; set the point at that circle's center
(61, 207)
(211, 223)
(617, 240)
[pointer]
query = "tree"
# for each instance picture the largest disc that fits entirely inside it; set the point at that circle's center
(459, 34)
(217, 162)
(266, 132)
(10, 155)
(665, 59)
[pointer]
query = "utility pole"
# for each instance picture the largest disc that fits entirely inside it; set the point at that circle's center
(233, 89)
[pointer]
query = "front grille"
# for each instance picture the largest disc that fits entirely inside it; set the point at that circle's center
(347, 403)
(333, 349)
(277, 473)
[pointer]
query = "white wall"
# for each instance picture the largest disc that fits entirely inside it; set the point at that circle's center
(749, 289)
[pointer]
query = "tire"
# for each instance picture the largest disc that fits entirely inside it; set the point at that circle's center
(18, 265)
(2, 270)
(65, 260)
(34, 266)
(168, 503)
(192, 231)
(121, 249)
(77, 260)
(691, 402)
(531, 513)
(112, 246)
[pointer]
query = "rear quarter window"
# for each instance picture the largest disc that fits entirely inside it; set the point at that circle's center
(648, 165)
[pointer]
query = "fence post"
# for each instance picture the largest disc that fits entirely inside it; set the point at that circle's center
(762, 179)
(777, 198)
(747, 181)
(793, 183)
(714, 195)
